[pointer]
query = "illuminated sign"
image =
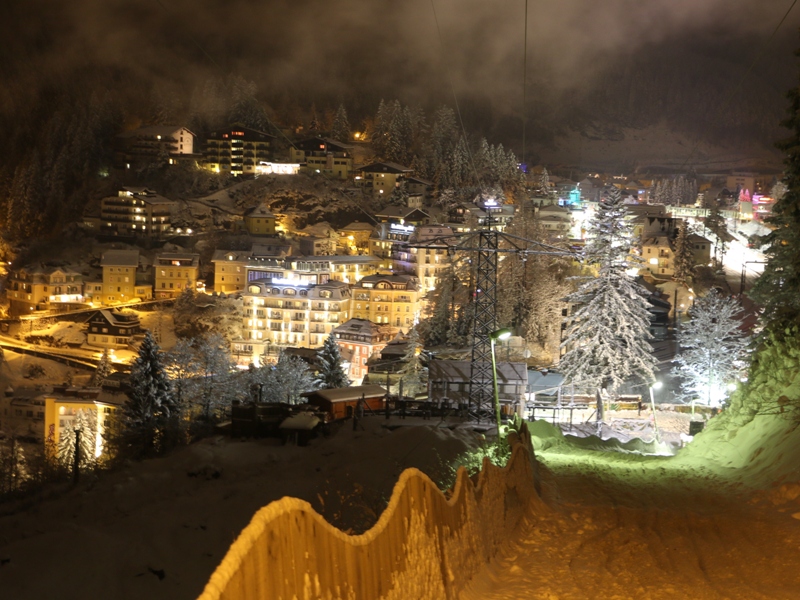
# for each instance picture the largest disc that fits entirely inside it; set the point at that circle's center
(402, 228)
(284, 281)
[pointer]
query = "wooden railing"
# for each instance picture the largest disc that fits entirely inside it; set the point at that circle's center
(423, 546)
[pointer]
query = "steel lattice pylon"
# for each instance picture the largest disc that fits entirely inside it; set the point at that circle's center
(485, 245)
(484, 323)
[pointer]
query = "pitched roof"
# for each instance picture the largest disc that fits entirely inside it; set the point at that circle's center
(386, 167)
(349, 393)
(259, 211)
(120, 258)
(154, 130)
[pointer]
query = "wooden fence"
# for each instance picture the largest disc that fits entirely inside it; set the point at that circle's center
(423, 546)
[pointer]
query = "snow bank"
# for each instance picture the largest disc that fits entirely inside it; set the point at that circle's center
(422, 547)
(755, 441)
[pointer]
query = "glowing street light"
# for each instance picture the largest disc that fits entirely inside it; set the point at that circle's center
(655, 386)
(500, 334)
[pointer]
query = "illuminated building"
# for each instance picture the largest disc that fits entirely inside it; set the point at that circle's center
(164, 144)
(136, 212)
(175, 272)
(285, 312)
(123, 280)
(109, 328)
(354, 238)
(387, 299)
(259, 220)
(237, 150)
(380, 179)
(359, 340)
(35, 288)
(60, 410)
(323, 155)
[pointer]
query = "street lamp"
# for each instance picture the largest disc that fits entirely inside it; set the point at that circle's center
(500, 334)
(655, 386)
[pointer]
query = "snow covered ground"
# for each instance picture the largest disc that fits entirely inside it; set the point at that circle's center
(157, 529)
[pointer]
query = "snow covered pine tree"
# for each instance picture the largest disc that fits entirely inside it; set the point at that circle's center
(607, 334)
(331, 373)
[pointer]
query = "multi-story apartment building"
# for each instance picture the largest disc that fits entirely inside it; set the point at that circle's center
(323, 155)
(359, 340)
(165, 144)
(237, 150)
(123, 280)
(137, 212)
(35, 288)
(380, 179)
(281, 312)
(175, 272)
(387, 299)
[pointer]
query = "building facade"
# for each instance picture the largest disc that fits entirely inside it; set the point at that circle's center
(159, 144)
(123, 281)
(175, 272)
(381, 179)
(108, 328)
(289, 313)
(237, 150)
(137, 212)
(325, 156)
(387, 299)
(359, 340)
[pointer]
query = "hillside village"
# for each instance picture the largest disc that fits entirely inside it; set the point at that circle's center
(328, 238)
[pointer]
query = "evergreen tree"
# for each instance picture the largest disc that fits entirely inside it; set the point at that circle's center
(150, 414)
(778, 287)
(182, 369)
(544, 183)
(607, 335)
(85, 422)
(103, 370)
(285, 380)
(712, 349)
(684, 257)
(214, 365)
(341, 126)
(440, 318)
(331, 372)
(14, 472)
(460, 172)
(380, 132)
(413, 371)
(715, 223)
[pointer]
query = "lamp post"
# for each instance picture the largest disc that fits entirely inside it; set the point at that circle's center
(655, 386)
(500, 334)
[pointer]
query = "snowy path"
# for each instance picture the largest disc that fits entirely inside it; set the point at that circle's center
(688, 543)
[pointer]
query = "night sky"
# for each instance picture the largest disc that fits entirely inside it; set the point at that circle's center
(624, 61)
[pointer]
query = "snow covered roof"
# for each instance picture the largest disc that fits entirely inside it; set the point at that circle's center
(348, 394)
(386, 167)
(120, 258)
(261, 211)
(460, 371)
(358, 226)
(154, 130)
